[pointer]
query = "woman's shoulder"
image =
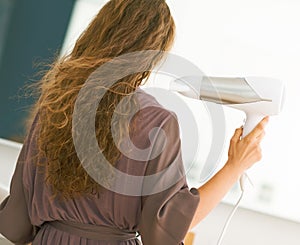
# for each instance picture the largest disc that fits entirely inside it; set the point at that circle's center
(151, 110)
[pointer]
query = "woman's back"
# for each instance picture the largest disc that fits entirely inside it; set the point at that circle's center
(108, 208)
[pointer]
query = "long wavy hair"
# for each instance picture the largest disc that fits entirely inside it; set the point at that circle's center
(121, 27)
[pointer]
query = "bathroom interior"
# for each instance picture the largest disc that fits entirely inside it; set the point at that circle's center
(223, 38)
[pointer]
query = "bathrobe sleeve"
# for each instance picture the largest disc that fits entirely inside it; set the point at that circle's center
(15, 223)
(168, 212)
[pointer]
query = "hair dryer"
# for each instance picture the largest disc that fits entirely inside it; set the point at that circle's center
(256, 96)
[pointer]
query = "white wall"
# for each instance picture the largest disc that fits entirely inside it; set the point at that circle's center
(247, 227)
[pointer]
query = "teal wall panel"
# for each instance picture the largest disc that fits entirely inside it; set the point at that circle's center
(34, 31)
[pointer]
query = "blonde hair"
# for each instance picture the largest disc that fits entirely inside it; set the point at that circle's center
(121, 26)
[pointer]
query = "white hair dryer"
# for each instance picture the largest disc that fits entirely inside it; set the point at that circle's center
(256, 96)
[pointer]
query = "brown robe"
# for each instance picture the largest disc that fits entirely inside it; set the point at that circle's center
(29, 212)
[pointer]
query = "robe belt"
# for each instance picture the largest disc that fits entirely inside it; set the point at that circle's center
(93, 232)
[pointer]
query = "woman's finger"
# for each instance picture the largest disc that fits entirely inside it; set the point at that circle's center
(237, 134)
(261, 136)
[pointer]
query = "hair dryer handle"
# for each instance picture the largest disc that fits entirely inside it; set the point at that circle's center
(251, 121)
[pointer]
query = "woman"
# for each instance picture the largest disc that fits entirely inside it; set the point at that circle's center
(54, 199)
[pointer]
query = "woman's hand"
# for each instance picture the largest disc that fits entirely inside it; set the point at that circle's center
(243, 153)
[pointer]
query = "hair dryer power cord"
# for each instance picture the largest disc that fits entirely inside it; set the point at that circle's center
(242, 181)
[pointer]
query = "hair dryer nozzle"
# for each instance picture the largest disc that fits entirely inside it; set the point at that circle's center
(187, 86)
(217, 89)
